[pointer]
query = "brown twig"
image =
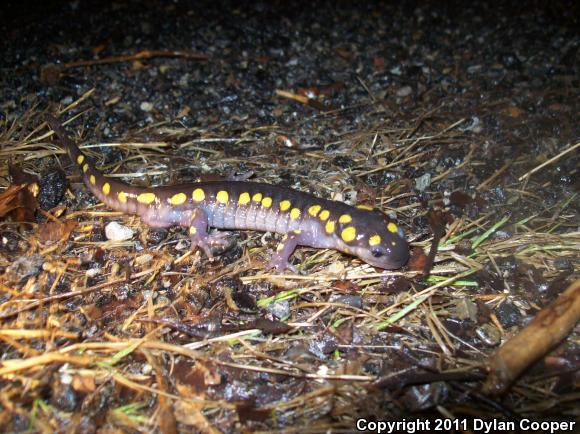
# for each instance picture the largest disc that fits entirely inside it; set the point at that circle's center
(62, 296)
(143, 54)
(51, 72)
(550, 161)
(550, 326)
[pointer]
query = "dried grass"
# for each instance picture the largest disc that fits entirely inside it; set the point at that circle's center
(90, 330)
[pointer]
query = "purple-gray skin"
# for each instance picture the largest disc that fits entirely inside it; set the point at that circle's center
(303, 219)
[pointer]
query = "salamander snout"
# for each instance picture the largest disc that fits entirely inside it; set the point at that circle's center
(390, 257)
(382, 245)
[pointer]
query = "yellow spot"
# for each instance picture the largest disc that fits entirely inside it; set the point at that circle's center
(313, 210)
(198, 195)
(285, 205)
(122, 196)
(285, 237)
(348, 234)
(267, 202)
(324, 215)
(244, 198)
(177, 199)
(85, 168)
(345, 218)
(92, 179)
(192, 230)
(222, 196)
(329, 226)
(295, 214)
(257, 197)
(80, 159)
(280, 247)
(367, 207)
(374, 240)
(146, 198)
(106, 188)
(392, 227)
(297, 231)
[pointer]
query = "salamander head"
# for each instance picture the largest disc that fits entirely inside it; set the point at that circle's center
(378, 241)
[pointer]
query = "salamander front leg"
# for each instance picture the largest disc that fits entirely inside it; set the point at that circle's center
(199, 236)
(279, 260)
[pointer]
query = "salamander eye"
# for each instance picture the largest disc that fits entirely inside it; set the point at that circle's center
(377, 253)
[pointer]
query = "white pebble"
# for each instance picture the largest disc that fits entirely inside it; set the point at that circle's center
(404, 91)
(146, 106)
(115, 232)
(143, 259)
(422, 182)
(92, 272)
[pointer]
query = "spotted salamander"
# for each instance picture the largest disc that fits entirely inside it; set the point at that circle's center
(302, 218)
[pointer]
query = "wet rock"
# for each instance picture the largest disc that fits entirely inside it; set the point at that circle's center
(52, 187)
(489, 335)
(24, 267)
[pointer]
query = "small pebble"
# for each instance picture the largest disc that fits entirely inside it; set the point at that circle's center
(92, 272)
(404, 91)
(489, 335)
(66, 378)
(396, 70)
(146, 106)
(279, 309)
(116, 232)
(24, 267)
(473, 124)
(143, 259)
(146, 369)
(423, 182)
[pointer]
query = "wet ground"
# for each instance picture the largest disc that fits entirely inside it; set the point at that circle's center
(460, 120)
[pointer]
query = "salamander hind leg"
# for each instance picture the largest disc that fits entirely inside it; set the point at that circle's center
(279, 260)
(199, 236)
